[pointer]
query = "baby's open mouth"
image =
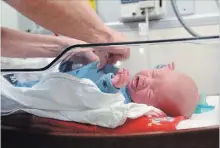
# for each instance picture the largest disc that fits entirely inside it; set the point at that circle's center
(136, 82)
(139, 83)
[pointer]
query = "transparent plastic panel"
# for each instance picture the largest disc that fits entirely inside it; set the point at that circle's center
(197, 58)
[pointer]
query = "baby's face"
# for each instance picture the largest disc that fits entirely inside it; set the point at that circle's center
(174, 93)
(145, 84)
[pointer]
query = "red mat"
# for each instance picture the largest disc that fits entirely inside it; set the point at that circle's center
(139, 125)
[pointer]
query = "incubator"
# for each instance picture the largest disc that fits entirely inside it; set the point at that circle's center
(29, 89)
(195, 57)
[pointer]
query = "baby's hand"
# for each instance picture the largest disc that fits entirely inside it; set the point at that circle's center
(121, 78)
(155, 113)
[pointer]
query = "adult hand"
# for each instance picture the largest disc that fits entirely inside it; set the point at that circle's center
(106, 54)
(112, 54)
(82, 56)
(79, 55)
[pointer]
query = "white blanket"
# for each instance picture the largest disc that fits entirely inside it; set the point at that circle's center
(64, 97)
(205, 119)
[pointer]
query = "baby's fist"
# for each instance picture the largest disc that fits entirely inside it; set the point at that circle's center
(121, 78)
(155, 113)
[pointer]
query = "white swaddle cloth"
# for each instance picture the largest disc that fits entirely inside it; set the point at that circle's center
(64, 97)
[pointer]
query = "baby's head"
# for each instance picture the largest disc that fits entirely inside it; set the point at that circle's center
(173, 92)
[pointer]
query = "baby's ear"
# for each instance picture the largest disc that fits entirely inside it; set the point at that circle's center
(171, 66)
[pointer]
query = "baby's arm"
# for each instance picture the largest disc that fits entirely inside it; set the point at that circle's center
(109, 68)
(110, 83)
(105, 84)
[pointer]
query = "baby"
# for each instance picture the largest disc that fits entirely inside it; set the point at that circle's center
(174, 93)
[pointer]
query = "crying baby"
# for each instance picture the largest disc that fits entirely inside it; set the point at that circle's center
(174, 93)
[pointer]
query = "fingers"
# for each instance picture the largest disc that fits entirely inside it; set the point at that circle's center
(111, 55)
(109, 59)
(121, 70)
(115, 53)
(113, 59)
(126, 54)
(162, 114)
(81, 55)
(159, 112)
(121, 78)
(102, 59)
(127, 76)
(156, 113)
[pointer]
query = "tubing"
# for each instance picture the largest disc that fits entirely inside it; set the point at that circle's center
(180, 19)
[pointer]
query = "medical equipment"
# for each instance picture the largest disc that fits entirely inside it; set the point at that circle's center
(181, 20)
(146, 10)
(138, 10)
(142, 10)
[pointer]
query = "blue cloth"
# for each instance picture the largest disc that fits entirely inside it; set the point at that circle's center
(13, 80)
(102, 78)
(26, 84)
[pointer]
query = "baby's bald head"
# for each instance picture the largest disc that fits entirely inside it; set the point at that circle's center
(173, 92)
(177, 94)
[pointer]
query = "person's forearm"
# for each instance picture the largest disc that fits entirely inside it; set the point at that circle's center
(24, 45)
(73, 18)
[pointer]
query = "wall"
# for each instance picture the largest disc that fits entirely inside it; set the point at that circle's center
(12, 19)
(7, 11)
(107, 15)
(205, 13)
